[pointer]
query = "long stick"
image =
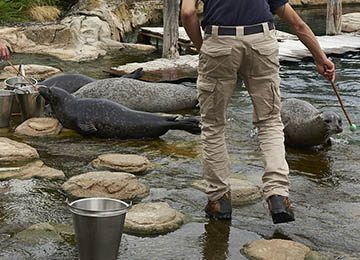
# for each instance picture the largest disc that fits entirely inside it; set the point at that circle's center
(341, 103)
(18, 71)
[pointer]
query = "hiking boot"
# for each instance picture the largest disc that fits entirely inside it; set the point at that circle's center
(221, 208)
(280, 209)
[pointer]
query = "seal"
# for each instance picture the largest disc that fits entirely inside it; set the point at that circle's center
(141, 95)
(305, 126)
(106, 119)
(68, 82)
(73, 82)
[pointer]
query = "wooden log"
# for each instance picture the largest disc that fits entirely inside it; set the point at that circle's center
(171, 32)
(333, 17)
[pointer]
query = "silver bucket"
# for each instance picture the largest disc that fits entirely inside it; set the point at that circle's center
(31, 105)
(6, 101)
(99, 224)
(16, 83)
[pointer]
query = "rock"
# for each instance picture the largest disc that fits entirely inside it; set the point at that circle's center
(42, 233)
(123, 162)
(152, 218)
(242, 191)
(33, 169)
(350, 22)
(15, 151)
(37, 126)
(118, 185)
(316, 256)
(38, 72)
(275, 249)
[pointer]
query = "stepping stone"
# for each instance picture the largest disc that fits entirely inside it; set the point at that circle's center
(117, 185)
(152, 218)
(37, 126)
(131, 163)
(15, 151)
(33, 169)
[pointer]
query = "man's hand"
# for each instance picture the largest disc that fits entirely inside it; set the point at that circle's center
(4, 51)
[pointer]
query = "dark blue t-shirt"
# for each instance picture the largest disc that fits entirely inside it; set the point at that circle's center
(239, 12)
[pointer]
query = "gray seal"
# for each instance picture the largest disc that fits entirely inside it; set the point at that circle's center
(68, 82)
(305, 126)
(106, 119)
(141, 95)
(73, 82)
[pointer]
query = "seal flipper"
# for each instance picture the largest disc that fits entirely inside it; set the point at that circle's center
(87, 127)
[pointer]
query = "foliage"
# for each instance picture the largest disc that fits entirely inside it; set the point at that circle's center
(17, 11)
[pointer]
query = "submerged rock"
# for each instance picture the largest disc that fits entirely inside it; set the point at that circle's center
(33, 169)
(153, 218)
(118, 185)
(242, 191)
(131, 163)
(275, 249)
(42, 233)
(37, 126)
(15, 151)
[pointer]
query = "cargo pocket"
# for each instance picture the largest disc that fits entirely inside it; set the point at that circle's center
(266, 102)
(216, 62)
(265, 58)
(207, 97)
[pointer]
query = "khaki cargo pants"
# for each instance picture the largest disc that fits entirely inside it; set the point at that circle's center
(255, 57)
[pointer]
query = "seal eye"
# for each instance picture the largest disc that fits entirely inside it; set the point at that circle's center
(328, 121)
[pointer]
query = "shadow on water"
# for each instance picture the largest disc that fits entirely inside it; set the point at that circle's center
(324, 193)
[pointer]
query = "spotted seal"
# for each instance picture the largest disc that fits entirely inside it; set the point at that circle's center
(140, 95)
(107, 119)
(305, 126)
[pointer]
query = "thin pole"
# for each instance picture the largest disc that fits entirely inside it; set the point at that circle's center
(341, 103)
(18, 71)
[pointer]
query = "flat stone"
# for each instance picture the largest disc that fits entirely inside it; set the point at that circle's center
(33, 169)
(153, 218)
(39, 72)
(39, 126)
(15, 151)
(242, 191)
(131, 163)
(275, 249)
(118, 185)
(350, 22)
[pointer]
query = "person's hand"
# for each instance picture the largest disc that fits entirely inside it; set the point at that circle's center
(327, 69)
(4, 51)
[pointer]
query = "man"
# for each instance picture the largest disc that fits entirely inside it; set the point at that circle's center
(4, 51)
(239, 38)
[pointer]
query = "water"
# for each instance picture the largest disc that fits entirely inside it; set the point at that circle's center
(325, 183)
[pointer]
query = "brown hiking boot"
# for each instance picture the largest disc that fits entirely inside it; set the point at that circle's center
(280, 209)
(221, 208)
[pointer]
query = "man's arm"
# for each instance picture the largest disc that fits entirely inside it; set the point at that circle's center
(191, 23)
(307, 37)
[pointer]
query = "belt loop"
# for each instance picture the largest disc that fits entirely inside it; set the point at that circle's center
(266, 29)
(215, 30)
(239, 31)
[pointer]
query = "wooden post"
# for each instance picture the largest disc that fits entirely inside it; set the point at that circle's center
(333, 17)
(171, 29)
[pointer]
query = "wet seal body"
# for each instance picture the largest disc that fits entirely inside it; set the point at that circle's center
(305, 126)
(68, 82)
(73, 82)
(106, 119)
(142, 95)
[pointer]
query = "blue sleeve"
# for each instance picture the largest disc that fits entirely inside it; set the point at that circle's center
(275, 4)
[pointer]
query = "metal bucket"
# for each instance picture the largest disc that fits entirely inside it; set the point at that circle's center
(16, 83)
(6, 101)
(99, 224)
(31, 105)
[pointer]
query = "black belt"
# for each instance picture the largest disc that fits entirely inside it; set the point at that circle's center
(231, 30)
